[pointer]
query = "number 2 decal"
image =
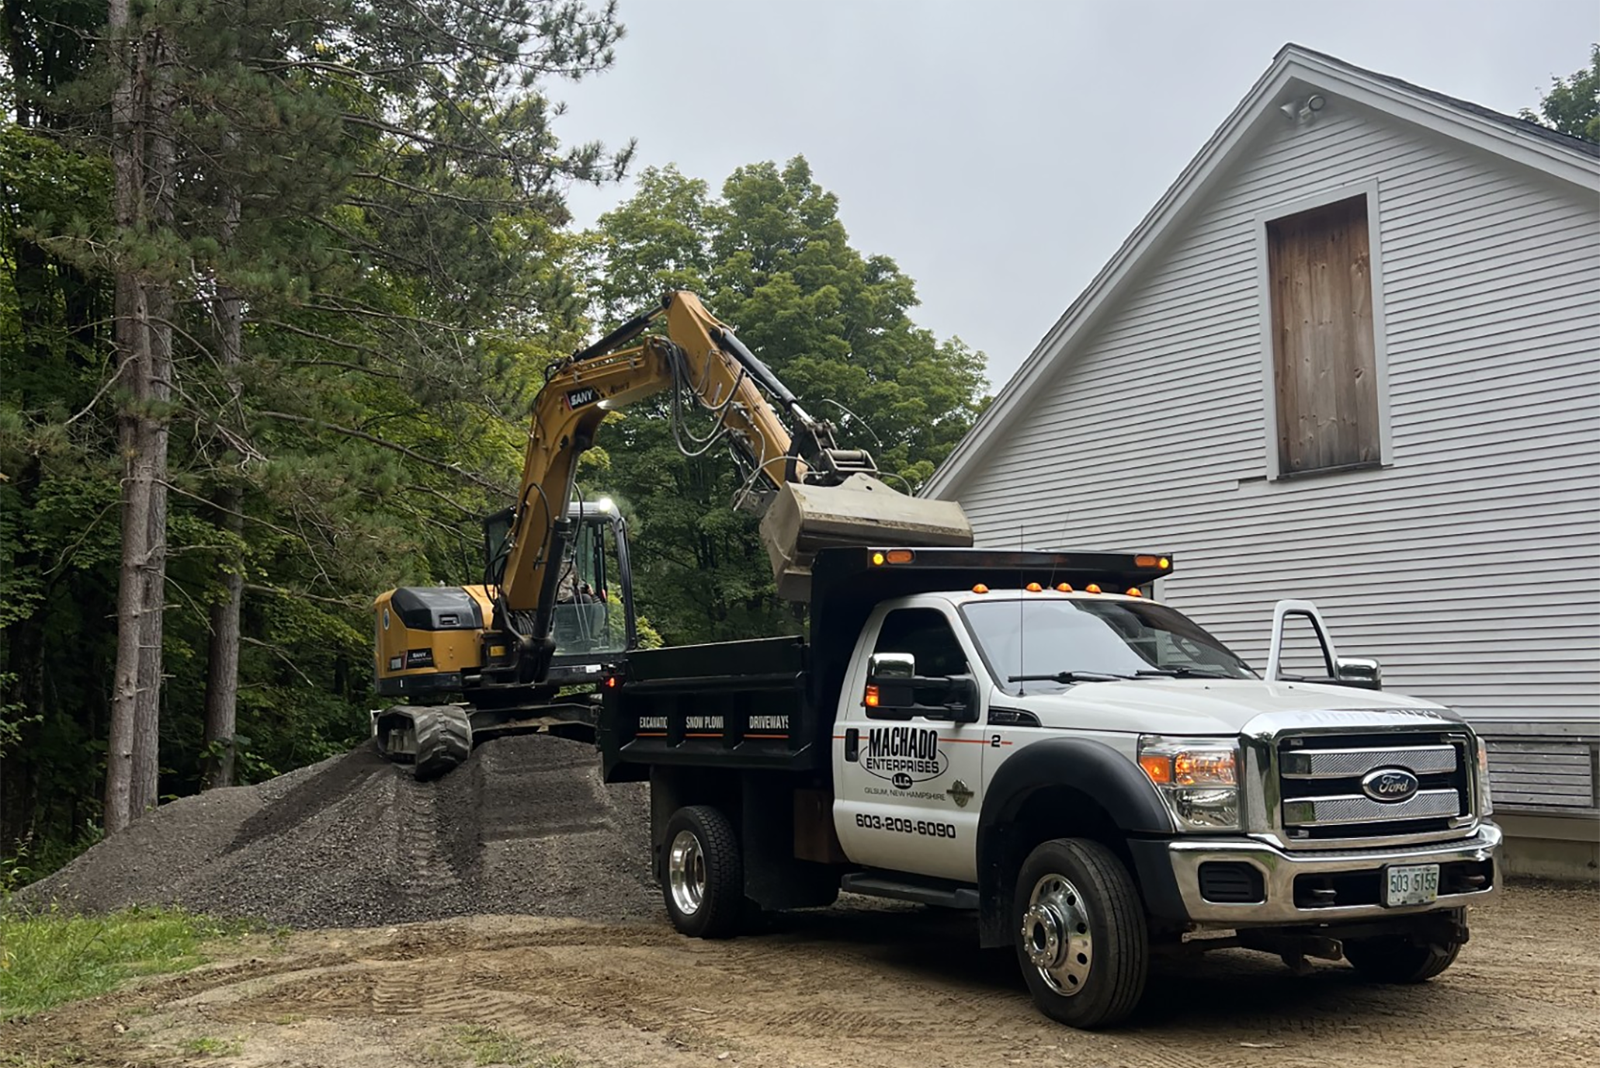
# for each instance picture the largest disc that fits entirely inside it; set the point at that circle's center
(994, 741)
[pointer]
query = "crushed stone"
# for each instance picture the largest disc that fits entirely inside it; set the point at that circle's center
(524, 826)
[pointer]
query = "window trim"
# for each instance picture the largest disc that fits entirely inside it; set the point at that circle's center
(1368, 189)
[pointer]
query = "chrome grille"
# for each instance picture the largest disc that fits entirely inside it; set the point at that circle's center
(1331, 811)
(1345, 763)
(1320, 785)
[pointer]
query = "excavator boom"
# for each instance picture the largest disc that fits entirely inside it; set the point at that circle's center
(809, 492)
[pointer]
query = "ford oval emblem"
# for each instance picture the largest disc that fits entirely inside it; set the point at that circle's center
(1390, 785)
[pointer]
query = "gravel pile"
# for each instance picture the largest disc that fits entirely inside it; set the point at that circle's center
(525, 826)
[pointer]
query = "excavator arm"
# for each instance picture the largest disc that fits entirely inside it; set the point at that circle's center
(826, 495)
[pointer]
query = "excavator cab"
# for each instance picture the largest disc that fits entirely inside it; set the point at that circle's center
(594, 618)
(437, 640)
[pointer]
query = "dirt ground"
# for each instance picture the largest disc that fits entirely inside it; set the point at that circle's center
(835, 988)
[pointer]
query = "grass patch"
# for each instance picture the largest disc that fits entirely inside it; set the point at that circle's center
(489, 1046)
(51, 957)
(212, 1047)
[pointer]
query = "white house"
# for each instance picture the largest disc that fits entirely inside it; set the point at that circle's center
(1353, 354)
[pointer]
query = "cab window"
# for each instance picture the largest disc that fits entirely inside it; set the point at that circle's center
(926, 634)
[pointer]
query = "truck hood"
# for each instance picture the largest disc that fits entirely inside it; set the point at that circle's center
(1207, 706)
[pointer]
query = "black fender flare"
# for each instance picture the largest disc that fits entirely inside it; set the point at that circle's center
(1114, 782)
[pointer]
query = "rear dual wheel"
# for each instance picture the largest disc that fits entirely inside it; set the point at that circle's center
(702, 880)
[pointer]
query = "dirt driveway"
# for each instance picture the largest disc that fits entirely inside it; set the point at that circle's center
(844, 987)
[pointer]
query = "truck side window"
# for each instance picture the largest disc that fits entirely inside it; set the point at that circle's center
(926, 635)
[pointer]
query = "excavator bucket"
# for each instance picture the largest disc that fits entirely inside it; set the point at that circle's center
(859, 511)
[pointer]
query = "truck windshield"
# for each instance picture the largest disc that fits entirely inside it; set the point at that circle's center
(1049, 642)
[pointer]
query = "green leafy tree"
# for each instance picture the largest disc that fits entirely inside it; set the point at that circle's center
(770, 257)
(1573, 104)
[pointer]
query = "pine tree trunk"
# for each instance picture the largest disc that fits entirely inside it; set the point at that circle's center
(143, 337)
(132, 341)
(222, 660)
(161, 186)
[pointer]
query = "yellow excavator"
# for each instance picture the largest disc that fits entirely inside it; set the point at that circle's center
(527, 648)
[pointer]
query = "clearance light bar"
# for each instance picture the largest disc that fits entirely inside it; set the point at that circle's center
(893, 556)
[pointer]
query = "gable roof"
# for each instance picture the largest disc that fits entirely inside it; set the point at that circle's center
(1294, 69)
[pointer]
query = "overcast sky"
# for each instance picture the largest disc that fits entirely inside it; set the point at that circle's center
(1001, 150)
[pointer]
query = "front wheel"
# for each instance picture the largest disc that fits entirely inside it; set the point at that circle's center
(1080, 933)
(703, 875)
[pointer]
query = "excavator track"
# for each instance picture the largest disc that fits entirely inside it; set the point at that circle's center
(435, 739)
(431, 738)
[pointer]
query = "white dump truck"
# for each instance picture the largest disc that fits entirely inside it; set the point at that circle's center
(1031, 737)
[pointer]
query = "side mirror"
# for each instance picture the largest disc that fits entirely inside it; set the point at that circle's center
(1358, 671)
(883, 666)
(893, 687)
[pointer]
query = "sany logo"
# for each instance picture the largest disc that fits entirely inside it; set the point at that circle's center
(578, 398)
(904, 755)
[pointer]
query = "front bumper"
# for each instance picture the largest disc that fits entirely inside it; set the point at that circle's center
(1281, 904)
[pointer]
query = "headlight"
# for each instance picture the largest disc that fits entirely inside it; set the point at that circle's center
(1197, 777)
(1485, 798)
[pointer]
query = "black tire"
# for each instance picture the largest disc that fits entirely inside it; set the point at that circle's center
(702, 873)
(1086, 893)
(444, 738)
(1397, 959)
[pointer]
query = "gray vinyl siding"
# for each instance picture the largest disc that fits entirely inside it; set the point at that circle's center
(1470, 564)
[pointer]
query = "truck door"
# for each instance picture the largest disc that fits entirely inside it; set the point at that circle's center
(908, 789)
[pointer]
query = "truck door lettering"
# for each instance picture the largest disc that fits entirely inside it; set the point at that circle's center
(904, 755)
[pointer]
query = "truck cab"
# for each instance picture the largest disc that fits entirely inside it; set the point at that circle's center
(1087, 770)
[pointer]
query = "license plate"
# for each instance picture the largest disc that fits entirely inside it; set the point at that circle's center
(1414, 884)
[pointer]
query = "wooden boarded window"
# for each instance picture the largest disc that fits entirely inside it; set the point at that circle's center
(1324, 363)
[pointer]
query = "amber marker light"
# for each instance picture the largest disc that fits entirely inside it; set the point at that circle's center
(1145, 561)
(1133, 591)
(1093, 587)
(1065, 587)
(871, 697)
(980, 588)
(1157, 767)
(901, 556)
(1034, 587)
(878, 559)
(1163, 563)
(611, 682)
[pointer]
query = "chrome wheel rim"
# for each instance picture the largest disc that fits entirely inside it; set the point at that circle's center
(1056, 935)
(686, 873)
